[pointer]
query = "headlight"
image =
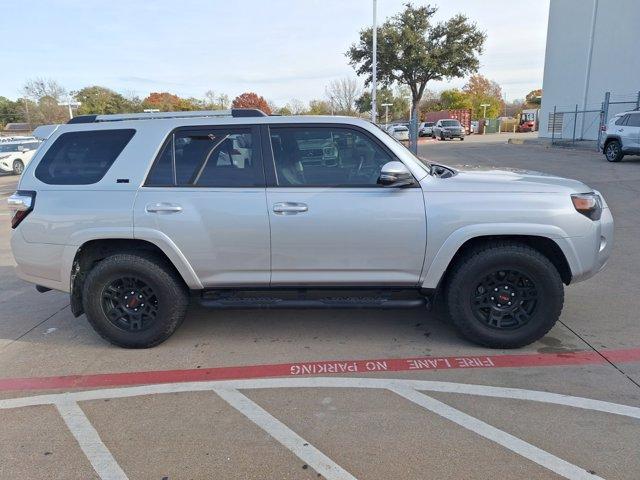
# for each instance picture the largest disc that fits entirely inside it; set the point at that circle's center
(4, 156)
(588, 204)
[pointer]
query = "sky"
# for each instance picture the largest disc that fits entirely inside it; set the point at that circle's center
(281, 49)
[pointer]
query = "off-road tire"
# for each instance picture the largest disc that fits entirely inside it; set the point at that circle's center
(170, 292)
(497, 256)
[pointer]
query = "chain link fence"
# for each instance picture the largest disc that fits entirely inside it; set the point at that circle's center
(567, 125)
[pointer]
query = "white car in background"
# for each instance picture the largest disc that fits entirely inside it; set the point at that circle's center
(14, 156)
(399, 132)
(425, 129)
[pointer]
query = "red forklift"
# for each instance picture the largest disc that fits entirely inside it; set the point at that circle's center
(528, 120)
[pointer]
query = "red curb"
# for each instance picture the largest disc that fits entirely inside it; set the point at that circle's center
(320, 368)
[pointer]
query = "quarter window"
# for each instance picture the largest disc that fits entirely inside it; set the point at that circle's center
(633, 120)
(326, 157)
(82, 158)
(208, 158)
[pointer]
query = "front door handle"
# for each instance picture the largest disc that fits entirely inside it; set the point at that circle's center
(163, 207)
(289, 208)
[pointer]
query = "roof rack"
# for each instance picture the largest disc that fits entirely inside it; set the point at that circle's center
(120, 117)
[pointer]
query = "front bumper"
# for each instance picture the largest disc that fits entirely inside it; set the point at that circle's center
(593, 251)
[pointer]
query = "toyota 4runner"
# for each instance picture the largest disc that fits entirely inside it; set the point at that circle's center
(138, 215)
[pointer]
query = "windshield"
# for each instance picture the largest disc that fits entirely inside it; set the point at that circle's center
(450, 123)
(8, 148)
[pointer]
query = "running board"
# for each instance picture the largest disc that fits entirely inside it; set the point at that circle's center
(300, 299)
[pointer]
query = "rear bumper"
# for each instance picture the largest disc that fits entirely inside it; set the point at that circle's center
(42, 263)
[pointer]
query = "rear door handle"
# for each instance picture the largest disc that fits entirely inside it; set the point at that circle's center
(289, 208)
(162, 207)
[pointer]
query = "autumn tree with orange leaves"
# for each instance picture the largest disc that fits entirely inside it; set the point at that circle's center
(251, 100)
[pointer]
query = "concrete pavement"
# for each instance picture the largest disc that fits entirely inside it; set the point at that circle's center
(353, 430)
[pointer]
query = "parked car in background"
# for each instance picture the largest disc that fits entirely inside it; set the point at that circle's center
(17, 139)
(137, 215)
(622, 136)
(474, 126)
(14, 156)
(425, 129)
(399, 132)
(463, 115)
(448, 128)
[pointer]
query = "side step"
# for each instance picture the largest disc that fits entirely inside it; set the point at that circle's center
(283, 299)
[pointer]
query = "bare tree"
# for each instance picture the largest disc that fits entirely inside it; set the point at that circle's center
(38, 88)
(297, 107)
(342, 95)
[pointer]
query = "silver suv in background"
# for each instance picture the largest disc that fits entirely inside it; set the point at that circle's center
(448, 128)
(622, 136)
(138, 215)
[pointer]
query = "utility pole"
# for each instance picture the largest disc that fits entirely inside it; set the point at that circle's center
(374, 73)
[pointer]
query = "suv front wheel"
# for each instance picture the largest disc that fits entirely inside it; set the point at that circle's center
(613, 151)
(504, 295)
(134, 300)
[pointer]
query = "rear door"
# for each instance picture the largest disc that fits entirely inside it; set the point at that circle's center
(331, 223)
(206, 194)
(632, 132)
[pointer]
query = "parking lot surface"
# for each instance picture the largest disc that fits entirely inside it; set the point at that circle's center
(336, 394)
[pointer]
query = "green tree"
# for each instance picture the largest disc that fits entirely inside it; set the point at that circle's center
(534, 98)
(319, 107)
(399, 99)
(483, 91)
(455, 99)
(10, 111)
(413, 50)
(101, 100)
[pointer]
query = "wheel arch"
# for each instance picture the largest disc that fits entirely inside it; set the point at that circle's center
(93, 251)
(560, 256)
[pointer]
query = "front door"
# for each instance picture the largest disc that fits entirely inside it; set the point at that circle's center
(206, 194)
(331, 223)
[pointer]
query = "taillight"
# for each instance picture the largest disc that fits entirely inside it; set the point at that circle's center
(21, 203)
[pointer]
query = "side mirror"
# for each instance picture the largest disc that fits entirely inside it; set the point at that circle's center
(395, 174)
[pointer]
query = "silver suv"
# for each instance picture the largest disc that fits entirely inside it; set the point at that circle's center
(138, 215)
(622, 136)
(447, 128)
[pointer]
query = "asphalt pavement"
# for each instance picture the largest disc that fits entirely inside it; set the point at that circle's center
(335, 394)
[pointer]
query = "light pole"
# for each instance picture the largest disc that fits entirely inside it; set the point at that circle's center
(484, 115)
(70, 103)
(374, 73)
(386, 111)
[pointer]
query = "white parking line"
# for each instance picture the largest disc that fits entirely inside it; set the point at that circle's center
(98, 454)
(533, 453)
(283, 434)
(107, 468)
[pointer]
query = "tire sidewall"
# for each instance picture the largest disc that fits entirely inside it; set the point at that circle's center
(170, 309)
(548, 308)
(618, 156)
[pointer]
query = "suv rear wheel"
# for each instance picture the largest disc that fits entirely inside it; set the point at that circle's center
(504, 295)
(613, 151)
(134, 300)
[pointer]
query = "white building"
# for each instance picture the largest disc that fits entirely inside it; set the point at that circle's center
(593, 47)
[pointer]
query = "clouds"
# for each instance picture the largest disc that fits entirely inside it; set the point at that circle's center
(281, 48)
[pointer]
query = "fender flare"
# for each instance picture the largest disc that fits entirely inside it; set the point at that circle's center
(155, 237)
(434, 269)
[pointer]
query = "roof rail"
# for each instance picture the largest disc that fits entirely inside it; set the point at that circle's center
(120, 117)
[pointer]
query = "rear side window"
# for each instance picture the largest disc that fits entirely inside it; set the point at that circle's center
(82, 158)
(216, 157)
(633, 120)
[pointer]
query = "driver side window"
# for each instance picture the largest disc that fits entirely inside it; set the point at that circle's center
(326, 157)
